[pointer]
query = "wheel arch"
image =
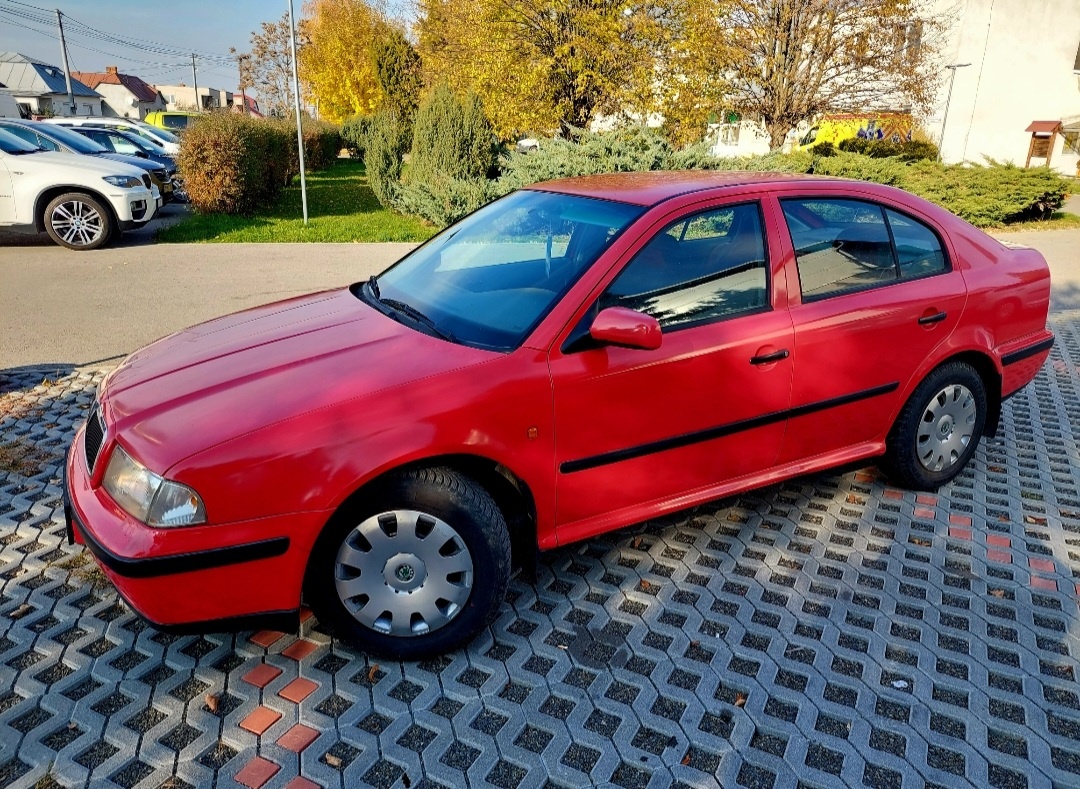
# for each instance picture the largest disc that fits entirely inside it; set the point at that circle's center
(988, 371)
(511, 494)
(47, 195)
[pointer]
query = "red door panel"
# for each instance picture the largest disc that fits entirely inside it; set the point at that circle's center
(855, 354)
(636, 426)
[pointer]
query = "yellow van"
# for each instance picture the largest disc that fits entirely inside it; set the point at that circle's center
(173, 121)
(835, 128)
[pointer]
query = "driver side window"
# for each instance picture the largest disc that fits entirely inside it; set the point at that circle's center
(699, 269)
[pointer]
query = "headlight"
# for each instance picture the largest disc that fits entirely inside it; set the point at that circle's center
(149, 497)
(124, 181)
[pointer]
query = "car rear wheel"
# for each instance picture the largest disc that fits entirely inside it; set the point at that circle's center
(418, 569)
(78, 221)
(938, 429)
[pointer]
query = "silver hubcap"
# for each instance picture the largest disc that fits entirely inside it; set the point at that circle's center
(77, 223)
(403, 573)
(946, 428)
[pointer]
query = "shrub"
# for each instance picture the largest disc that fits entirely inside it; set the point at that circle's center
(234, 164)
(354, 133)
(442, 199)
(908, 150)
(629, 149)
(322, 144)
(387, 141)
(990, 194)
(452, 137)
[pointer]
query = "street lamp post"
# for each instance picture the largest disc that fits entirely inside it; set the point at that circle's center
(945, 118)
(296, 101)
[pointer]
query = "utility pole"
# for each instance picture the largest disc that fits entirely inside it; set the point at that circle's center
(296, 101)
(952, 80)
(67, 68)
(195, 80)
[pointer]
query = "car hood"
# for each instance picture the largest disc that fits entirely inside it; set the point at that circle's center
(228, 377)
(134, 161)
(90, 164)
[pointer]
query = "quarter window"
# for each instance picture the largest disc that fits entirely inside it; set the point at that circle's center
(843, 246)
(709, 266)
(918, 250)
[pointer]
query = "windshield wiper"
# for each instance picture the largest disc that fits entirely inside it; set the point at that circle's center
(419, 317)
(408, 310)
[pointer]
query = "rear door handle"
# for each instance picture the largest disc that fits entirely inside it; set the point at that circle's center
(769, 358)
(926, 320)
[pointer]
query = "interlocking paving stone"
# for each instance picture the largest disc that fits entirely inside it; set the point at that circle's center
(829, 631)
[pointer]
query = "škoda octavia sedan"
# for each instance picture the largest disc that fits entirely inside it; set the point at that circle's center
(575, 357)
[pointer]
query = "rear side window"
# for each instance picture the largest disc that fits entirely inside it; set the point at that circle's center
(918, 250)
(700, 269)
(843, 246)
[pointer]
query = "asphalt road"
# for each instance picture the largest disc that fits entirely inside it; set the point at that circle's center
(63, 309)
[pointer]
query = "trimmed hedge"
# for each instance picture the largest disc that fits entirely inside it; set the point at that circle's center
(986, 195)
(233, 163)
(236, 164)
(354, 132)
(908, 150)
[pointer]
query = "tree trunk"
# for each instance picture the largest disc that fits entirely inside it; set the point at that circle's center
(777, 135)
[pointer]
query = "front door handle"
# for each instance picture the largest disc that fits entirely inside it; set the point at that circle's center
(769, 358)
(926, 320)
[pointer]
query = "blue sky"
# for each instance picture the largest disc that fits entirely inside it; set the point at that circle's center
(205, 26)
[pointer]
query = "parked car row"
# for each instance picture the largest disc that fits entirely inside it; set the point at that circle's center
(80, 201)
(85, 180)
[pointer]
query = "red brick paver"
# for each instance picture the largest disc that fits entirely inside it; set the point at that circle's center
(257, 772)
(260, 719)
(266, 638)
(298, 690)
(299, 649)
(262, 675)
(298, 737)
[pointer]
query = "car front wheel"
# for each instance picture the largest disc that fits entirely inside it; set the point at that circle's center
(417, 569)
(78, 221)
(938, 429)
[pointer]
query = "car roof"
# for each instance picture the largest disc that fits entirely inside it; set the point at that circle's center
(650, 188)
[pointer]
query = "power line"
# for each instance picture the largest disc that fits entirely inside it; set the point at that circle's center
(77, 27)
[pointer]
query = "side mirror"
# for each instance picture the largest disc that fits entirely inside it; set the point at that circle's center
(626, 328)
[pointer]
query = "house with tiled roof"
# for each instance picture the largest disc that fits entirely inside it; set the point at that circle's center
(125, 95)
(42, 88)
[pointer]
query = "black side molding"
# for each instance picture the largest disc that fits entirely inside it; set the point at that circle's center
(686, 439)
(179, 563)
(1025, 353)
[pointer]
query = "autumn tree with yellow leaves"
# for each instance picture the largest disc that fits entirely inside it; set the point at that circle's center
(545, 65)
(337, 62)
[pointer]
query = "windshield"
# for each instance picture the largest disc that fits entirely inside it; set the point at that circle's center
(488, 280)
(9, 143)
(71, 139)
(154, 132)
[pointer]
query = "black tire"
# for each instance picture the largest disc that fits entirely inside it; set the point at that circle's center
(95, 224)
(913, 464)
(455, 500)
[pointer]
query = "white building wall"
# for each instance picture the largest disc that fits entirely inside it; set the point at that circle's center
(121, 103)
(1022, 54)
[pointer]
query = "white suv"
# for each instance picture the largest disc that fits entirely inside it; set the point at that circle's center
(80, 201)
(166, 139)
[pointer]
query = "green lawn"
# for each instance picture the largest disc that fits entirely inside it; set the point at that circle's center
(341, 207)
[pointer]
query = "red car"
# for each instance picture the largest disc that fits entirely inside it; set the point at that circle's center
(578, 356)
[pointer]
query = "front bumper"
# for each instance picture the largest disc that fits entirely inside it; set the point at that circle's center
(193, 578)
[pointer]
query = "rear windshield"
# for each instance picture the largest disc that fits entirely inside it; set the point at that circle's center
(71, 139)
(176, 121)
